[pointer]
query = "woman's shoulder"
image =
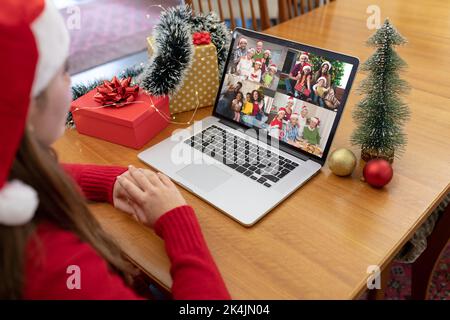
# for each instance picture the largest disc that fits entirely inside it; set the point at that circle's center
(45, 233)
(50, 251)
(51, 247)
(56, 259)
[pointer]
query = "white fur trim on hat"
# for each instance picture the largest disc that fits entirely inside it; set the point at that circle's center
(18, 203)
(324, 80)
(52, 40)
(307, 66)
(327, 63)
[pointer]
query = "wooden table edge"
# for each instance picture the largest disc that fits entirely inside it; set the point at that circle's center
(391, 256)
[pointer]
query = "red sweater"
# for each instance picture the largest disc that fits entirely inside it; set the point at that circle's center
(194, 273)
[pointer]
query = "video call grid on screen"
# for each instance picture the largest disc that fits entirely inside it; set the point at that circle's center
(294, 95)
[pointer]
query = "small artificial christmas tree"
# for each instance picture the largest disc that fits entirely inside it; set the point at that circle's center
(380, 116)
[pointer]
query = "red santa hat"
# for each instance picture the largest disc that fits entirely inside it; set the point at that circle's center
(273, 67)
(34, 44)
(282, 110)
(324, 80)
(295, 115)
(307, 66)
(304, 54)
(291, 99)
(327, 63)
(258, 61)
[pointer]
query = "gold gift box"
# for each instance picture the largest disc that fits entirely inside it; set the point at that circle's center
(202, 76)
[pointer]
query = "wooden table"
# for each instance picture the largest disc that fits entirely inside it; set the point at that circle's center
(320, 241)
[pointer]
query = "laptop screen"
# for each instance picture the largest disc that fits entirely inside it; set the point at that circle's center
(294, 93)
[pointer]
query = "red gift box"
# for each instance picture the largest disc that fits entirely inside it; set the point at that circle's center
(131, 125)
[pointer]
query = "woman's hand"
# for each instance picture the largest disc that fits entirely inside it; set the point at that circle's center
(121, 200)
(150, 194)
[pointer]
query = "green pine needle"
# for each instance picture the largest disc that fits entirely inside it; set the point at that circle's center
(381, 114)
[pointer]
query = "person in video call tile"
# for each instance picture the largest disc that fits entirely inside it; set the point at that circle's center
(276, 126)
(320, 91)
(247, 109)
(226, 97)
(269, 78)
(324, 96)
(259, 53)
(289, 106)
(302, 121)
(323, 72)
(311, 131)
(303, 85)
(248, 105)
(236, 106)
(292, 80)
(245, 65)
(239, 52)
(258, 104)
(266, 61)
(290, 132)
(255, 74)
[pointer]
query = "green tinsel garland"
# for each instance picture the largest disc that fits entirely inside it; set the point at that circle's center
(174, 49)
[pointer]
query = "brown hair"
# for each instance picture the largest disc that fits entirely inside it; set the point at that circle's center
(61, 203)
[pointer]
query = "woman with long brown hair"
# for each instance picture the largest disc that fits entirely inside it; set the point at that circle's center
(46, 229)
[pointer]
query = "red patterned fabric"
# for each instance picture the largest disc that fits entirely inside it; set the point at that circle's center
(399, 285)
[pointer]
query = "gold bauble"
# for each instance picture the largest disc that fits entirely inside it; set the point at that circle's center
(342, 162)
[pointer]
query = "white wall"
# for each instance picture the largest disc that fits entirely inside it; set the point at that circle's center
(347, 70)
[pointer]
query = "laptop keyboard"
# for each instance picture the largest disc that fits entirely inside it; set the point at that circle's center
(245, 157)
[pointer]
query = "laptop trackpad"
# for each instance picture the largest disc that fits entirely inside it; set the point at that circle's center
(206, 177)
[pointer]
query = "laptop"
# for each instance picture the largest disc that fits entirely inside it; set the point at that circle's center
(274, 118)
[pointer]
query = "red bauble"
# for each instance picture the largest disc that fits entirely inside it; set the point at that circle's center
(378, 173)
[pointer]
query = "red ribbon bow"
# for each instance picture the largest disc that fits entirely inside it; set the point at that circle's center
(201, 38)
(116, 92)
